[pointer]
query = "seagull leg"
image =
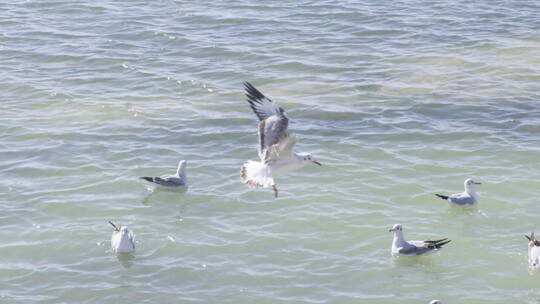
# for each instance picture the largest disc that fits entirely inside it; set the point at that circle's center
(274, 188)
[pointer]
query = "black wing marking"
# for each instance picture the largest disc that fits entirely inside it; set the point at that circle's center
(444, 197)
(115, 227)
(437, 243)
(533, 239)
(261, 105)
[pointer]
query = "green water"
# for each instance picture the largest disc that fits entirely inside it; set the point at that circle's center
(398, 100)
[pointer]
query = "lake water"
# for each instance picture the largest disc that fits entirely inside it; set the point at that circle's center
(398, 99)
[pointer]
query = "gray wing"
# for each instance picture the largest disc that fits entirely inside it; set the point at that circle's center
(261, 105)
(132, 239)
(274, 138)
(169, 181)
(461, 199)
(281, 150)
(414, 250)
(272, 131)
(422, 247)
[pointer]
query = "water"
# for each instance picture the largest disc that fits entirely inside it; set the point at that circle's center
(398, 100)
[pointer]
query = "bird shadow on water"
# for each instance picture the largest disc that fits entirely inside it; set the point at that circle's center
(457, 211)
(125, 259)
(418, 262)
(161, 191)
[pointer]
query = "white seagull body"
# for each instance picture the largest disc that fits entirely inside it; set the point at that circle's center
(171, 180)
(533, 251)
(465, 198)
(275, 144)
(413, 248)
(122, 239)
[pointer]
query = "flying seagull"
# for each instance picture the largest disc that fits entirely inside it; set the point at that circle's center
(533, 251)
(177, 180)
(122, 239)
(275, 144)
(466, 198)
(402, 247)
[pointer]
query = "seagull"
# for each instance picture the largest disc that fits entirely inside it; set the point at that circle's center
(275, 144)
(466, 198)
(122, 239)
(436, 302)
(412, 248)
(177, 180)
(534, 251)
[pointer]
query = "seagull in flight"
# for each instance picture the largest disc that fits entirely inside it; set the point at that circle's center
(533, 251)
(466, 198)
(412, 248)
(122, 239)
(177, 180)
(275, 144)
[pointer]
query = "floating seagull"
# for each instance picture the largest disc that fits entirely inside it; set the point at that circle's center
(401, 247)
(436, 302)
(275, 144)
(533, 251)
(466, 198)
(177, 180)
(122, 239)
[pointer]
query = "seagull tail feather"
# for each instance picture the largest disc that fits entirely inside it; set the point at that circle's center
(150, 179)
(256, 175)
(444, 197)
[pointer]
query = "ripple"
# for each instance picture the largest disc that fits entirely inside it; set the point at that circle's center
(398, 103)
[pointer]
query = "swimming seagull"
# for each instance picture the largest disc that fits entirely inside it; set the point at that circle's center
(177, 180)
(401, 247)
(275, 144)
(533, 251)
(466, 198)
(122, 239)
(436, 302)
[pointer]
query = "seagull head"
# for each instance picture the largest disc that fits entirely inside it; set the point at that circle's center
(124, 230)
(469, 184)
(436, 302)
(307, 157)
(395, 228)
(181, 167)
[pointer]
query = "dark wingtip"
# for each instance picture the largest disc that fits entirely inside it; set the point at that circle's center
(115, 227)
(444, 197)
(436, 241)
(252, 93)
(439, 245)
(150, 179)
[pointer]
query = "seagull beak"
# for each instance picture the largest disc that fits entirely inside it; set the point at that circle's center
(477, 183)
(391, 229)
(316, 162)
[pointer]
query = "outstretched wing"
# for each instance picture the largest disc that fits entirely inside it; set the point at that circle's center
(274, 139)
(261, 105)
(271, 132)
(280, 150)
